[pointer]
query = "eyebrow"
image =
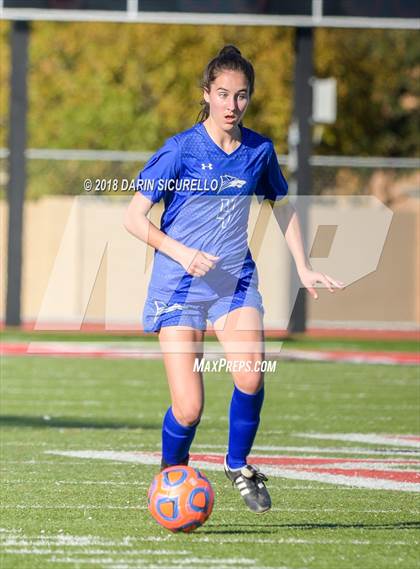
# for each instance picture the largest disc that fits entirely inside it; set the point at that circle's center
(224, 89)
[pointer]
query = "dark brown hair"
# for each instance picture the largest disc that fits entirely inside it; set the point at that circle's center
(229, 57)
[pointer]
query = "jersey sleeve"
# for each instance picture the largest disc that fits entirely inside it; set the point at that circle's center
(272, 184)
(162, 166)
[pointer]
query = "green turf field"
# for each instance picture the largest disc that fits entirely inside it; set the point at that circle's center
(65, 512)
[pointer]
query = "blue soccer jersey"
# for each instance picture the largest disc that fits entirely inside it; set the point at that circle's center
(207, 195)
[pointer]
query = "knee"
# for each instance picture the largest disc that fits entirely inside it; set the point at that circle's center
(187, 416)
(249, 382)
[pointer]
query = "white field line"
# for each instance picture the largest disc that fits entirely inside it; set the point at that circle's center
(111, 563)
(85, 541)
(66, 539)
(69, 507)
(354, 481)
(285, 485)
(372, 407)
(138, 458)
(215, 484)
(299, 487)
(236, 561)
(372, 438)
(69, 463)
(29, 549)
(148, 458)
(44, 545)
(286, 509)
(72, 507)
(55, 389)
(315, 510)
(60, 385)
(43, 444)
(86, 347)
(318, 450)
(295, 541)
(55, 403)
(349, 466)
(22, 444)
(114, 559)
(64, 463)
(283, 433)
(200, 537)
(394, 467)
(47, 389)
(75, 482)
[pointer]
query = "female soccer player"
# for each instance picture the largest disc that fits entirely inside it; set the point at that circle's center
(203, 268)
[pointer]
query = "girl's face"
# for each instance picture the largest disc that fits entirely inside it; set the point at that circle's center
(228, 98)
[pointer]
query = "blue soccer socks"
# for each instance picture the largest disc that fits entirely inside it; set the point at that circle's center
(244, 419)
(176, 439)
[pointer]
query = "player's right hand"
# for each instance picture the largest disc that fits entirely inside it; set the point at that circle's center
(197, 263)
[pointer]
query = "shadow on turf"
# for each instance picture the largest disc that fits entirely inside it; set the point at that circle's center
(69, 423)
(272, 528)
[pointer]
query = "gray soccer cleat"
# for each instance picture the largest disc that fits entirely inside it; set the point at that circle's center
(250, 483)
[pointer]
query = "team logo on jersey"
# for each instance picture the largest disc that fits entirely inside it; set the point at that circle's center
(227, 181)
(208, 166)
(163, 308)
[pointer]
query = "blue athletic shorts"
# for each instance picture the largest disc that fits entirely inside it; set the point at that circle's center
(158, 313)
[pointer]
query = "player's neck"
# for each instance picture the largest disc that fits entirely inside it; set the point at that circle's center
(227, 140)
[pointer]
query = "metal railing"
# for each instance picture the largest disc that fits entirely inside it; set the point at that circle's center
(63, 171)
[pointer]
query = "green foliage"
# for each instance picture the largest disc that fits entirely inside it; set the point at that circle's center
(4, 81)
(378, 74)
(129, 87)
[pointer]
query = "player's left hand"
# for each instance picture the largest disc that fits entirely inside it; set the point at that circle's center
(309, 278)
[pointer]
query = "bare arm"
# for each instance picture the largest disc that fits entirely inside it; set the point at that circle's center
(195, 262)
(137, 223)
(288, 221)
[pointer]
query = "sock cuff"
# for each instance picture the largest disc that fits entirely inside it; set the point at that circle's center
(174, 427)
(237, 393)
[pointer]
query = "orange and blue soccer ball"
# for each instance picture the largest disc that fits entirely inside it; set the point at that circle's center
(180, 498)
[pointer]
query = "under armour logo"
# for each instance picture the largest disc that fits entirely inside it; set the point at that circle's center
(208, 166)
